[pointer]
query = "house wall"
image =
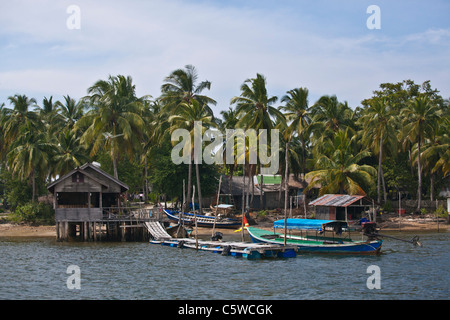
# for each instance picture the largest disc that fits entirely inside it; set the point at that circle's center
(78, 214)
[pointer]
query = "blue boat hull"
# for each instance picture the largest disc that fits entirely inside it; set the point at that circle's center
(357, 247)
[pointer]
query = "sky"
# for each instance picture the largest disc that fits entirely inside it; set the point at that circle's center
(325, 46)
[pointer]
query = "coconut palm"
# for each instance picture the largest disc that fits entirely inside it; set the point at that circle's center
(255, 109)
(30, 155)
(379, 134)
(420, 119)
(328, 116)
(69, 153)
(19, 116)
(71, 111)
(337, 170)
(115, 120)
(436, 152)
(254, 106)
(186, 117)
(229, 122)
(181, 86)
(297, 115)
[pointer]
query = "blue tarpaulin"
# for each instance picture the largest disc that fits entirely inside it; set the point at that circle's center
(304, 224)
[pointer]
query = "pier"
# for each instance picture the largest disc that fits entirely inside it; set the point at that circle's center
(227, 248)
(126, 224)
(246, 250)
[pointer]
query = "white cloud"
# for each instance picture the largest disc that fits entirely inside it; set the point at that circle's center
(149, 39)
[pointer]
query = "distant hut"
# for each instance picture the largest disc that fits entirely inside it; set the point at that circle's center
(272, 190)
(341, 206)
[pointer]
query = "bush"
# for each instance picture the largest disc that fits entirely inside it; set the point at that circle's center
(34, 213)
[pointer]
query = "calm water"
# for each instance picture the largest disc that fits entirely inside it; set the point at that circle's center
(36, 269)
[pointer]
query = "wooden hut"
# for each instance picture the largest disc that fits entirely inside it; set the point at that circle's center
(341, 206)
(87, 203)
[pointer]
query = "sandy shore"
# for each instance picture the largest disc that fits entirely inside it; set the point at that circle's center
(392, 224)
(14, 230)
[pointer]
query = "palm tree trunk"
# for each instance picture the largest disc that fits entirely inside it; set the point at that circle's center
(33, 183)
(380, 155)
(419, 172)
(253, 186)
(384, 185)
(303, 156)
(432, 187)
(286, 186)
(198, 187)
(261, 199)
(188, 197)
(146, 180)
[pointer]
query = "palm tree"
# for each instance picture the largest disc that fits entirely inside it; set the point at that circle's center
(420, 118)
(181, 86)
(337, 170)
(69, 154)
(255, 109)
(436, 152)
(379, 133)
(19, 116)
(297, 113)
(30, 154)
(2, 143)
(186, 117)
(115, 120)
(71, 111)
(328, 116)
(229, 122)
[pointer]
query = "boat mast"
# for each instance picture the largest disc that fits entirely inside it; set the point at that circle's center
(217, 206)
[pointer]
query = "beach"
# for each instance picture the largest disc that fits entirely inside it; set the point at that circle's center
(390, 224)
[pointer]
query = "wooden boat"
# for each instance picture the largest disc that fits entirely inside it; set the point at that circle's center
(317, 242)
(188, 219)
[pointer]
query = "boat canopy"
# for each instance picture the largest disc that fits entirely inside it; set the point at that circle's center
(310, 224)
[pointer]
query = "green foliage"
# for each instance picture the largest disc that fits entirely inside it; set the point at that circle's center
(398, 175)
(130, 171)
(387, 207)
(441, 212)
(405, 122)
(167, 177)
(33, 213)
(262, 213)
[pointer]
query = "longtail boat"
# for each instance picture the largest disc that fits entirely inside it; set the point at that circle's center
(188, 219)
(313, 237)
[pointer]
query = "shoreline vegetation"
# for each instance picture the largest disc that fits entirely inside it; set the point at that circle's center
(394, 145)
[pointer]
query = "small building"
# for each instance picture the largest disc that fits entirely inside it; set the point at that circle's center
(272, 190)
(341, 206)
(87, 203)
(445, 192)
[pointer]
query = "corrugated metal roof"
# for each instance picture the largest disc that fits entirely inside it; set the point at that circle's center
(335, 200)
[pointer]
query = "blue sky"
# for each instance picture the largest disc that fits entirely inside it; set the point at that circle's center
(322, 45)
